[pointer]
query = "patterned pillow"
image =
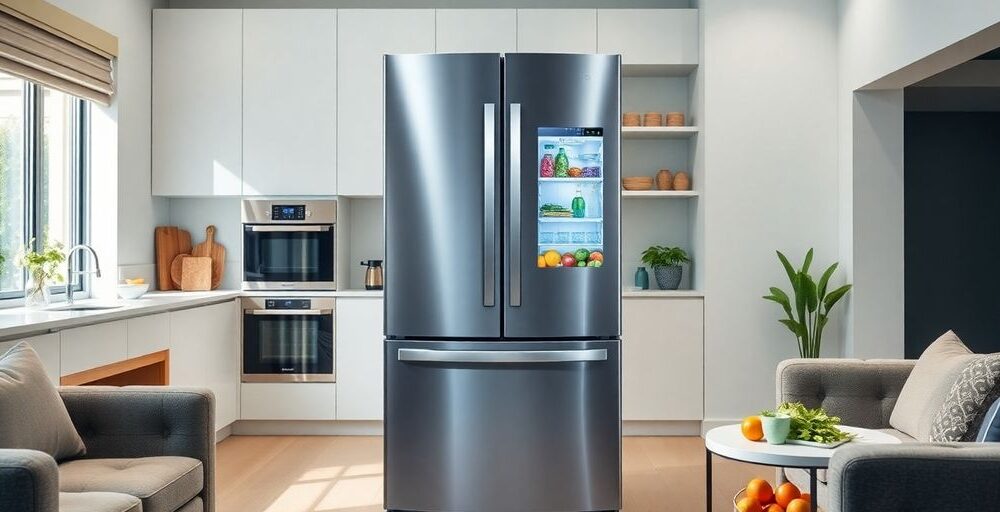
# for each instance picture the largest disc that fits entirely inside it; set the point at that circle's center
(977, 387)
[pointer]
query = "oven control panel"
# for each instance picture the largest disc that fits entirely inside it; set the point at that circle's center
(289, 212)
(288, 304)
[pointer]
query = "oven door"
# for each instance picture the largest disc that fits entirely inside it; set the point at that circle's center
(288, 345)
(288, 257)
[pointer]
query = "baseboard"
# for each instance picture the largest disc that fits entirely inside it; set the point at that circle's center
(661, 428)
(306, 428)
(709, 424)
(223, 433)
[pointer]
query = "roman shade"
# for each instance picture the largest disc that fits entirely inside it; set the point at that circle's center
(44, 44)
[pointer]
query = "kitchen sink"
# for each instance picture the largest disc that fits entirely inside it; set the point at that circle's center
(84, 307)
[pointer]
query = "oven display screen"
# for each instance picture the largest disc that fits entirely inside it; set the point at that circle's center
(288, 212)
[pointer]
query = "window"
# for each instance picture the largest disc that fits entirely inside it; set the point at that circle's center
(43, 142)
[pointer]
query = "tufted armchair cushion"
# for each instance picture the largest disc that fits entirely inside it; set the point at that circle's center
(862, 393)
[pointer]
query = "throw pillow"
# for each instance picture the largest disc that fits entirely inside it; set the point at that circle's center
(32, 415)
(963, 410)
(989, 431)
(928, 385)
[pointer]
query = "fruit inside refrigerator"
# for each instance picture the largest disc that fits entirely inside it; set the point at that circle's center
(570, 198)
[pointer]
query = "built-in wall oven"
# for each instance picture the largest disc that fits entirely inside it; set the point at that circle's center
(289, 244)
(288, 339)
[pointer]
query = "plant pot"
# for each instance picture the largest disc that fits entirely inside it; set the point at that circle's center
(668, 278)
(37, 295)
(776, 428)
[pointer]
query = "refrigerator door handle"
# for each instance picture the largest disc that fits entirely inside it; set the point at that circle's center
(501, 356)
(515, 205)
(489, 203)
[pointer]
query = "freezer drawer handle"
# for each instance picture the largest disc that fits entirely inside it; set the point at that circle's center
(502, 356)
(489, 202)
(515, 205)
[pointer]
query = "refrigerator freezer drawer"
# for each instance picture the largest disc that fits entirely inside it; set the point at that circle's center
(502, 426)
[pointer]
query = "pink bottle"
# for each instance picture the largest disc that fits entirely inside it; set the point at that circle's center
(548, 166)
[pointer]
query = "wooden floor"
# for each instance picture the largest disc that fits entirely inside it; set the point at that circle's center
(344, 474)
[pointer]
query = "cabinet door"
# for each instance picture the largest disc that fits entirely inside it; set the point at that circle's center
(288, 401)
(648, 37)
(83, 348)
(363, 36)
(47, 347)
(662, 359)
(556, 30)
(359, 359)
(148, 334)
(289, 102)
(197, 67)
(204, 352)
(476, 30)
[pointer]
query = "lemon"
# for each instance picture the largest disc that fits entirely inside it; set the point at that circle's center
(541, 261)
(552, 258)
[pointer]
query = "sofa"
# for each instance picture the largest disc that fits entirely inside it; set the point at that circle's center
(148, 449)
(909, 476)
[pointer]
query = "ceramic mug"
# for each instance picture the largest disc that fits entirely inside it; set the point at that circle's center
(776, 428)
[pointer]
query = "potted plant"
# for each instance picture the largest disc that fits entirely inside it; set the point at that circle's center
(43, 271)
(666, 263)
(808, 309)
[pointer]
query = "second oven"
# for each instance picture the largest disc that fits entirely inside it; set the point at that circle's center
(288, 339)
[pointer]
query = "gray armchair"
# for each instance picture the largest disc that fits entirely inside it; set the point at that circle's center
(149, 449)
(903, 477)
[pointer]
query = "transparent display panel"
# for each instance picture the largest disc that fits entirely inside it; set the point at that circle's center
(570, 198)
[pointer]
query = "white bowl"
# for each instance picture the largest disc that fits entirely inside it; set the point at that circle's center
(132, 291)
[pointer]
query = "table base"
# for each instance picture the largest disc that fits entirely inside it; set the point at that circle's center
(813, 497)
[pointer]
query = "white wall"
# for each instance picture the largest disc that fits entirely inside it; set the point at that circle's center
(770, 166)
(124, 211)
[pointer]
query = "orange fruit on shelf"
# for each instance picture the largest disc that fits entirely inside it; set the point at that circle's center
(749, 505)
(798, 505)
(774, 507)
(541, 261)
(760, 490)
(786, 493)
(552, 258)
(752, 429)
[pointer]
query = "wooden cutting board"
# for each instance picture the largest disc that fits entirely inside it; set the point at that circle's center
(177, 270)
(210, 249)
(196, 273)
(169, 242)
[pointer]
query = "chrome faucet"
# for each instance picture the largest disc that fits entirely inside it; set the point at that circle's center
(70, 272)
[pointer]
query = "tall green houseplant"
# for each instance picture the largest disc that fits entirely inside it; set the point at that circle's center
(808, 310)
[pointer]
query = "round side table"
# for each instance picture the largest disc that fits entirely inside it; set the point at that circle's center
(728, 442)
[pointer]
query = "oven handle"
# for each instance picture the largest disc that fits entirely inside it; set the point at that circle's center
(290, 227)
(502, 356)
(288, 312)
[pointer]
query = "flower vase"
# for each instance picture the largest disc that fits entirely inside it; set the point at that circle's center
(37, 295)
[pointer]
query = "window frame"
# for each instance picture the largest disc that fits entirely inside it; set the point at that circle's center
(33, 159)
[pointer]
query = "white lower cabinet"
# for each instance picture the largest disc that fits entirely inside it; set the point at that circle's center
(83, 348)
(359, 358)
(47, 347)
(148, 334)
(204, 352)
(288, 401)
(663, 359)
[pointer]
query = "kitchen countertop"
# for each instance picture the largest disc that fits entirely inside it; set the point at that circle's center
(22, 322)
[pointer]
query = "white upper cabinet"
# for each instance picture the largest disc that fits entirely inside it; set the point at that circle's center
(363, 36)
(197, 68)
(650, 38)
(476, 30)
(289, 102)
(557, 30)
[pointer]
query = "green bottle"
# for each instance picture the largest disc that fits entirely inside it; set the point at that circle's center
(562, 164)
(579, 206)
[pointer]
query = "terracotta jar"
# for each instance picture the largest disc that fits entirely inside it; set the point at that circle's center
(664, 180)
(630, 119)
(675, 119)
(682, 181)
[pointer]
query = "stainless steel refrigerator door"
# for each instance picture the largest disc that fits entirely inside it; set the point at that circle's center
(502, 426)
(442, 212)
(571, 92)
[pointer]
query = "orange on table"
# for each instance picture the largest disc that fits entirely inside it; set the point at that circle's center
(786, 493)
(760, 490)
(798, 505)
(774, 507)
(749, 505)
(752, 428)
(806, 496)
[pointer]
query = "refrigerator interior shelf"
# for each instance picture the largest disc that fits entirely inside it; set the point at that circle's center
(578, 245)
(570, 180)
(570, 219)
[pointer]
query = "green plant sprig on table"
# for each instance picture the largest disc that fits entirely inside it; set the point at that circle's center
(660, 256)
(810, 424)
(810, 312)
(43, 266)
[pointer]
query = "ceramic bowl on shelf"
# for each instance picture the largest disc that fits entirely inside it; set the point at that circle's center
(637, 183)
(132, 291)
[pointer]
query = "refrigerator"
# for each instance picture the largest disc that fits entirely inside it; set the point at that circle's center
(502, 282)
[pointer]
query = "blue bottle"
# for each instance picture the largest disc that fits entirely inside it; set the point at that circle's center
(642, 279)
